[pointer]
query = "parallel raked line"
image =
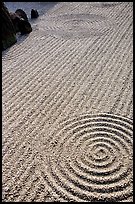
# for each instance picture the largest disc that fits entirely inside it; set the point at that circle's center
(87, 7)
(28, 157)
(112, 57)
(85, 77)
(11, 54)
(26, 196)
(111, 85)
(59, 9)
(30, 181)
(25, 176)
(48, 193)
(42, 89)
(100, 11)
(55, 71)
(53, 45)
(25, 45)
(120, 99)
(90, 90)
(116, 13)
(122, 62)
(48, 65)
(23, 148)
(31, 188)
(101, 84)
(129, 108)
(123, 104)
(23, 173)
(38, 72)
(48, 47)
(16, 63)
(27, 133)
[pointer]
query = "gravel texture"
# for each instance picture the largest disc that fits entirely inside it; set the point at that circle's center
(67, 97)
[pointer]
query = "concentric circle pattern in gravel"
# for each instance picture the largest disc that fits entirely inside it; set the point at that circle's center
(92, 158)
(77, 25)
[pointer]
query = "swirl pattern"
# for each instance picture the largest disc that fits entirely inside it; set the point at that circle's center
(91, 159)
(77, 25)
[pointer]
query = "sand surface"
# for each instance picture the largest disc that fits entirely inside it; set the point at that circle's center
(67, 102)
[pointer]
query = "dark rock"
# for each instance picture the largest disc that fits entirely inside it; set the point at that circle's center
(21, 14)
(8, 30)
(20, 24)
(34, 13)
(24, 27)
(15, 20)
